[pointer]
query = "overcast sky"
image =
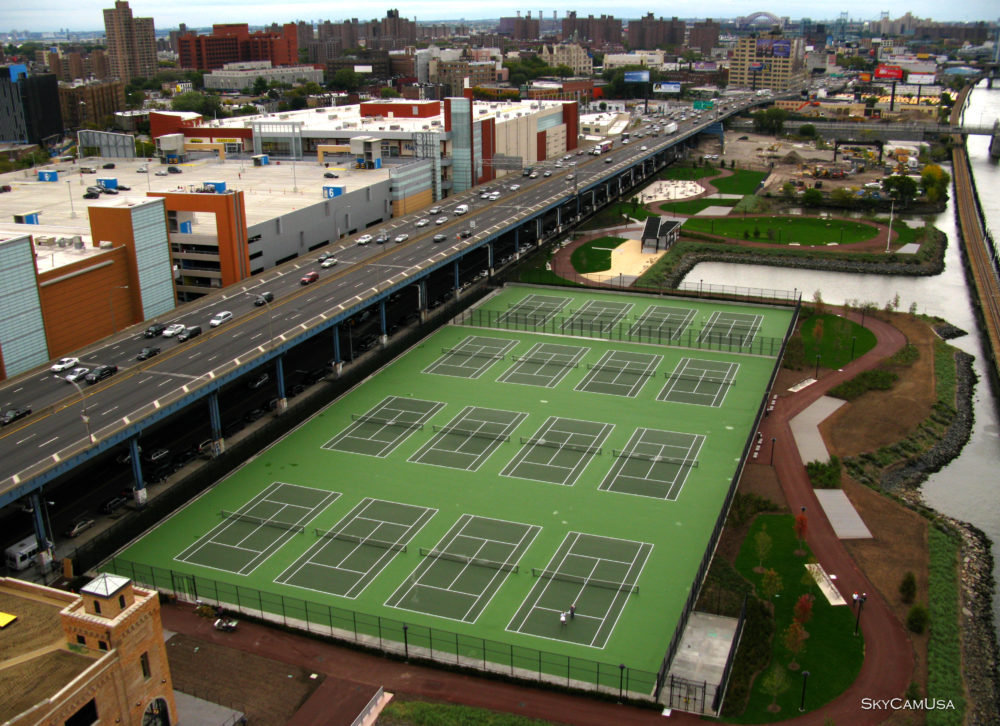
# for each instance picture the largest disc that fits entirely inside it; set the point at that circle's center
(51, 15)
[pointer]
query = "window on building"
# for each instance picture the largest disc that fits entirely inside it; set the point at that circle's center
(121, 601)
(102, 645)
(81, 640)
(97, 606)
(85, 716)
(144, 663)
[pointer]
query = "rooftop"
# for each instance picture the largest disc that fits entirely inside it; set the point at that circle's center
(270, 191)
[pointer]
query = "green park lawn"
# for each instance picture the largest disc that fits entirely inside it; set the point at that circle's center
(740, 182)
(595, 256)
(807, 231)
(830, 337)
(693, 206)
(688, 173)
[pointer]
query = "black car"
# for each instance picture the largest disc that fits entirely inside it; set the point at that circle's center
(263, 298)
(192, 332)
(254, 414)
(331, 175)
(465, 233)
(113, 504)
(381, 239)
(123, 188)
(153, 330)
(258, 382)
(440, 237)
(13, 414)
(92, 195)
(147, 353)
(109, 165)
(100, 373)
(173, 170)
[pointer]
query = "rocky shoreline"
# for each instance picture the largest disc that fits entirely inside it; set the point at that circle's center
(979, 642)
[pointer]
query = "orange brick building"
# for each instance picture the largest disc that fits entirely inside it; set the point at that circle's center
(93, 657)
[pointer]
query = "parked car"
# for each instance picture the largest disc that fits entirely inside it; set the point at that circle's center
(364, 239)
(64, 364)
(77, 374)
(124, 188)
(330, 175)
(153, 330)
(79, 527)
(92, 195)
(109, 165)
(219, 318)
(156, 455)
(329, 262)
(147, 353)
(193, 332)
(114, 504)
(109, 190)
(309, 277)
(254, 414)
(100, 373)
(263, 298)
(173, 170)
(13, 414)
(173, 329)
(161, 172)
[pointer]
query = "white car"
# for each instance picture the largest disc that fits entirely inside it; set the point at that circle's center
(515, 187)
(171, 330)
(434, 210)
(423, 222)
(219, 318)
(401, 238)
(64, 364)
(440, 220)
(76, 374)
(328, 262)
(161, 172)
(142, 170)
(643, 148)
(364, 239)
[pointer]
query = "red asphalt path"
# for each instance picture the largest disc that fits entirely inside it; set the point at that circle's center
(885, 673)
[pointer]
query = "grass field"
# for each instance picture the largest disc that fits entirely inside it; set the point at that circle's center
(487, 480)
(832, 654)
(829, 336)
(740, 181)
(693, 206)
(595, 256)
(786, 230)
(688, 173)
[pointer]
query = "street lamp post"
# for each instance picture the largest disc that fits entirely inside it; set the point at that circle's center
(861, 606)
(621, 682)
(816, 375)
(854, 339)
(773, 439)
(69, 188)
(805, 679)
(83, 412)
(888, 237)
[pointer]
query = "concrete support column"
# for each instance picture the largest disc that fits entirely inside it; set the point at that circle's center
(215, 420)
(338, 363)
(384, 337)
(279, 371)
(42, 536)
(139, 485)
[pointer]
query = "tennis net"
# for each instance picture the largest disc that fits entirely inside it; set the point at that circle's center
(583, 580)
(552, 444)
(239, 517)
(473, 353)
(655, 458)
(549, 362)
(644, 372)
(468, 560)
(385, 421)
(477, 433)
(371, 541)
(700, 379)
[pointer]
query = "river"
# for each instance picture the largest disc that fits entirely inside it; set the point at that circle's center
(967, 488)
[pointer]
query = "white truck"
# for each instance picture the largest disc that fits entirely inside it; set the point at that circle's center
(670, 128)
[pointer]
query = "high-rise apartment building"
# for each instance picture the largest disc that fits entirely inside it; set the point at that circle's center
(131, 43)
(518, 28)
(649, 32)
(704, 36)
(605, 30)
(234, 43)
(767, 61)
(29, 107)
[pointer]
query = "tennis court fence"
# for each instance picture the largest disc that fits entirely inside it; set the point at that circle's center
(251, 519)
(622, 330)
(398, 637)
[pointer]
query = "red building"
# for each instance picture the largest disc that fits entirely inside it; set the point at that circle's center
(233, 43)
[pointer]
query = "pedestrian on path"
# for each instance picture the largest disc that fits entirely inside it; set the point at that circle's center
(562, 619)
(572, 611)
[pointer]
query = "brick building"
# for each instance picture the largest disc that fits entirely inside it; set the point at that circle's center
(518, 28)
(767, 61)
(703, 36)
(131, 43)
(94, 657)
(92, 102)
(234, 43)
(649, 32)
(605, 30)
(568, 54)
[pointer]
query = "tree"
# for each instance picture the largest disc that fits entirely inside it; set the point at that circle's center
(908, 588)
(771, 584)
(762, 542)
(205, 104)
(807, 131)
(801, 526)
(917, 619)
(812, 197)
(388, 92)
(794, 641)
(259, 86)
(345, 79)
(774, 683)
(803, 610)
(843, 197)
(788, 191)
(900, 187)
(935, 181)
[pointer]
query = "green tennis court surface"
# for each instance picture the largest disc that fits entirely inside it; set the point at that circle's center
(547, 449)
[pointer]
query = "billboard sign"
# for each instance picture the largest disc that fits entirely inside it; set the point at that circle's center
(705, 67)
(666, 88)
(756, 67)
(888, 73)
(921, 79)
(637, 76)
(774, 48)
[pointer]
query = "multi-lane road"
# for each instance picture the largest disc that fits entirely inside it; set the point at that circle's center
(54, 435)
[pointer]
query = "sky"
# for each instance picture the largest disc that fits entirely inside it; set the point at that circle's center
(83, 15)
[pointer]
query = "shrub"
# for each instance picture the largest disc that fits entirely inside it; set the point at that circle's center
(908, 588)
(824, 475)
(875, 380)
(916, 620)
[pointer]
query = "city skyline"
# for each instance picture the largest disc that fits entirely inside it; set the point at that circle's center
(87, 15)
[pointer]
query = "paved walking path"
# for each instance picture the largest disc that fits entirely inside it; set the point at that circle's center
(885, 673)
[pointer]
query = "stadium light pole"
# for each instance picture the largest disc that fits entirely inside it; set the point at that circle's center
(861, 606)
(805, 679)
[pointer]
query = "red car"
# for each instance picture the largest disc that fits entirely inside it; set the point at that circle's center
(309, 277)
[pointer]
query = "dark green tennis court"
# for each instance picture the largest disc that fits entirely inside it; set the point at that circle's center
(547, 449)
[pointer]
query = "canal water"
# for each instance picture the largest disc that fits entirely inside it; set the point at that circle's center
(966, 489)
